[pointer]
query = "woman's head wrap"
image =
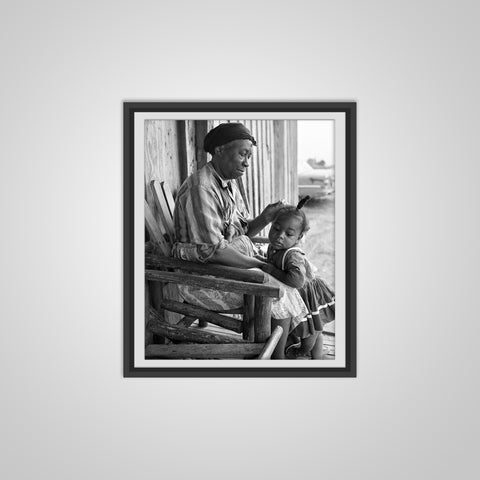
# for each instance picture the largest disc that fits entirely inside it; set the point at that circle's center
(225, 133)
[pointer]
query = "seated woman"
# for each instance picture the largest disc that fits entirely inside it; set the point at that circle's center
(212, 225)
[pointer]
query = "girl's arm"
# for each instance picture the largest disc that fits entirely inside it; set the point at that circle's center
(293, 277)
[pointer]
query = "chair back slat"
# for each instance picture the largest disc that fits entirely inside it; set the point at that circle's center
(163, 209)
(154, 230)
(168, 197)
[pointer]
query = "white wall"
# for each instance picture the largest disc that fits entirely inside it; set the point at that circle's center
(66, 410)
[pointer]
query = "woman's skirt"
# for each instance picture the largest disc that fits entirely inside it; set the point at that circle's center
(290, 303)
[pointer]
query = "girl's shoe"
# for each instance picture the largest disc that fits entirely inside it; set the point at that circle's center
(293, 341)
(294, 352)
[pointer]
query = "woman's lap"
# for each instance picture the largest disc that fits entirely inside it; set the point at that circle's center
(290, 303)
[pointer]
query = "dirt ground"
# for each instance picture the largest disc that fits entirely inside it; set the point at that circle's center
(320, 239)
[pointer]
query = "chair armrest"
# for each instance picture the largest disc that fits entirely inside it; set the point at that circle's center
(232, 273)
(222, 284)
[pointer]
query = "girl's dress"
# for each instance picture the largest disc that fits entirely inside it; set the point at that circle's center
(318, 297)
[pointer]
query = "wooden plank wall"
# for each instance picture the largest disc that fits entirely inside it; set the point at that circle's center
(171, 153)
(174, 150)
(162, 161)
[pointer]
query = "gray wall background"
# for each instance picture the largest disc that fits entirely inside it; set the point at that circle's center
(66, 410)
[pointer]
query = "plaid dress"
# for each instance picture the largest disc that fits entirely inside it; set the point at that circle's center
(317, 295)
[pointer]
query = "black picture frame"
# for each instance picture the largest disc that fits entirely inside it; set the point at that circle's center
(130, 109)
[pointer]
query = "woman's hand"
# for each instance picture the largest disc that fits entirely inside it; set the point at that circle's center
(232, 258)
(266, 217)
(270, 211)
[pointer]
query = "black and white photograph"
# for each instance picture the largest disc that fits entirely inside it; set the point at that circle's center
(248, 213)
(239, 240)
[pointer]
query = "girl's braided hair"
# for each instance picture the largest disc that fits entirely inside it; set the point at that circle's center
(291, 211)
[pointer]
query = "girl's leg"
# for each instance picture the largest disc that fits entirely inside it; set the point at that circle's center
(279, 352)
(317, 350)
(312, 344)
(307, 344)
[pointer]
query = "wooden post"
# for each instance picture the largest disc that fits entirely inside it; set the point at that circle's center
(248, 318)
(263, 323)
(269, 347)
(186, 147)
(201, 130)
(156, 296)
(148, 334)
(280, 161)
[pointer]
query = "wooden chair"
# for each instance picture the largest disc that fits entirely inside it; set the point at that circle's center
(256, 341)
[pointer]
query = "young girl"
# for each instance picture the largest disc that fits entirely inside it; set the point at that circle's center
(288, 263)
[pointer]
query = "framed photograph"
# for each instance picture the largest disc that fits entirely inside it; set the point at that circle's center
(240, 239)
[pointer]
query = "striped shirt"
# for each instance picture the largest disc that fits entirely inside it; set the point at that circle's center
(209, 213)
